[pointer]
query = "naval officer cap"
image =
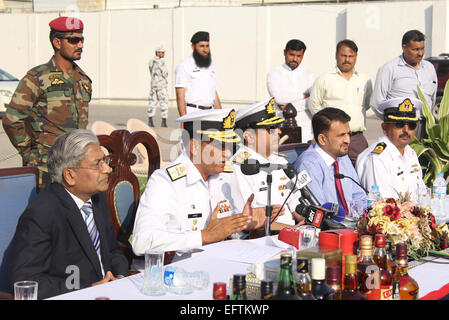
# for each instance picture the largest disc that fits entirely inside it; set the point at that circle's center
(261, 114)
(66, 24)
(200, 36)
(160, 49)
(213, 124)
(400, 109)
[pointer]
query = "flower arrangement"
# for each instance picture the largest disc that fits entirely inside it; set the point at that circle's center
(402, 220)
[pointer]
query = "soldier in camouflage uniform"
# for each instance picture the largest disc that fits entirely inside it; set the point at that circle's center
(159, 92)
(50, 99)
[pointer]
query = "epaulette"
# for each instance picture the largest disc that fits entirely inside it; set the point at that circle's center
(228, 167)
(177, 171)
(380, 147)
(280, 155)
(242, 156)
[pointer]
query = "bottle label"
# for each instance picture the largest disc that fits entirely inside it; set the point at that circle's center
(373, 294)
(169, 275)
(386, 292)
(439, 190)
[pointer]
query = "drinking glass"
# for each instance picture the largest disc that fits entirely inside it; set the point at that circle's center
(153, 284)
(357, 208)
(25, 290)
(307, 237)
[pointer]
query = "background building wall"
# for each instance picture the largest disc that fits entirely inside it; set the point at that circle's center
(246, 41)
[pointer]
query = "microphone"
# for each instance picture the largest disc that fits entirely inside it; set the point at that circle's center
(307, 197)
(252, 166)
(318, 217)
(342, 176)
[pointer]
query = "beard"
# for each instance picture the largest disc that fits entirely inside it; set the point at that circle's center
(201, 61)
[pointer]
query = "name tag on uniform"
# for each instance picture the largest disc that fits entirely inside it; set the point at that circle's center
(194, 215)
(263, 189)
(401, 172)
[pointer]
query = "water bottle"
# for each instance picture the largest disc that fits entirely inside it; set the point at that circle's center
(373, 195)
(180, 281)
(439, 194)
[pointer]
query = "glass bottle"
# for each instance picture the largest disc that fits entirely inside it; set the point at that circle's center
(266, 290)
(303, 280)
(408, 287)
(393, 268)
(286, 285)
(333, 280)
(320, 290)
(239, 287)
(351, 291)
(380, 258)
(367, 270)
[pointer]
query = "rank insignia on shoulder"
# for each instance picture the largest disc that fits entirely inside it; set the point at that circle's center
(86, 87)
(228, 167)
(242, 156)
(280, 155)
(379, 148)
(176, 172)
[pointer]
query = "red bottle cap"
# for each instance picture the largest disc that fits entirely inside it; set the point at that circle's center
(401, 251)
(219, 291)
(333, 274)
(380, 241)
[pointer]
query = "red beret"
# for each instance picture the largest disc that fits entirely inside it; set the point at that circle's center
(66, 24)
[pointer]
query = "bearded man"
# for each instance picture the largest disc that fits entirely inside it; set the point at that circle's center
(195, 78)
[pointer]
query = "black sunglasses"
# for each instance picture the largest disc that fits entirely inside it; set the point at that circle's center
(74, 40)
(400, 124)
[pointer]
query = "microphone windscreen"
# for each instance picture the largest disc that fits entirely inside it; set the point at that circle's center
(340, 215)
(290, 171)
(250, 167)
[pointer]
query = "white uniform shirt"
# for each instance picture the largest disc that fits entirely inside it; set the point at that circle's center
(397, 78)
(390, 170)
(352, 96)
(289, 86)
(171, 214)
(257, 184)
(200, 83)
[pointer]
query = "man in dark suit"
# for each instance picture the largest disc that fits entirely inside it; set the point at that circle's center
(64, 240)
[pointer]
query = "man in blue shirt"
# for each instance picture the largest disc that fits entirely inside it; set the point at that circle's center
(330, 156)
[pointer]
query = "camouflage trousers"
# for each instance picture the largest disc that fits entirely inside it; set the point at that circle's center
(158, 95)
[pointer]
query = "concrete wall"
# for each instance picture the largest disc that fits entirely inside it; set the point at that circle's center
(246, 42)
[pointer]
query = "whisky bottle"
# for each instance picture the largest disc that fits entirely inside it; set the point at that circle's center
(351, 291)
(303, 280)
(266, 290)
(333, 280)
(239, 287)
(380, 258)
(393, 268)
(286, 285)
(408, 287)
(367, 270)
(320, 290)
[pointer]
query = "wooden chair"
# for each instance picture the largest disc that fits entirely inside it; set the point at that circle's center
(17, 187)
(123, 193)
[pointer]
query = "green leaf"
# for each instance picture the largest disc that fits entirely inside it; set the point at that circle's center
(444, 124)
(430, 120)
(444, 104)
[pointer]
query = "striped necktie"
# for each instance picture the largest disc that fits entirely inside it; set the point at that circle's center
(91, 228)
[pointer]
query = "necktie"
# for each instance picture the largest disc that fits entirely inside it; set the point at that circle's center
(340, 189)
(91, 227)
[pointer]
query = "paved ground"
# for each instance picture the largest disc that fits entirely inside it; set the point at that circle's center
(118, 112)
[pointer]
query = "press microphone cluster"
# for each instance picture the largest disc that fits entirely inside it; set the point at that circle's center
(319, 216)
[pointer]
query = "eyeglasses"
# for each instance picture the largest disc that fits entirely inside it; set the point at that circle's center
(74, 40)
(105, 161)
(400, 124)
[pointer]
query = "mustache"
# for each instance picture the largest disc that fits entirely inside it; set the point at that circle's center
(404, 135)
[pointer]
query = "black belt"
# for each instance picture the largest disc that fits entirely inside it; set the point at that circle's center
(354, 133)
(199, 107)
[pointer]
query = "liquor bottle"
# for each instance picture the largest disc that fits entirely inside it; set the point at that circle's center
(333, 280)
(380, 258)
(286, 285)
(351, 291)
(408, 287)
(239, 287)
(320, 290)
(219, 291)
(393, 268)
(367, 270)
(266, 290)
(303, 280)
